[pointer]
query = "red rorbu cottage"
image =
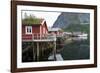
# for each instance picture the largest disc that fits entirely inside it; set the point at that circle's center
(34, 28)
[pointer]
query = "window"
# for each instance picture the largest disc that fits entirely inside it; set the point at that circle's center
(28, 29)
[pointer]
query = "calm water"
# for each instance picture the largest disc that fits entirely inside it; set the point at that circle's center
(74, 48)
(78, 48)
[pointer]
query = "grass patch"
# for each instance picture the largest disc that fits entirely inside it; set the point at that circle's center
(31, 21)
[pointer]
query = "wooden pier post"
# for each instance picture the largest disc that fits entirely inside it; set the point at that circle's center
(54, 49)
(37, 51)
(42, 50)
(33, 52)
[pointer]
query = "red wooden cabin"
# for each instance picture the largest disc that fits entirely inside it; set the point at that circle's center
(33, 28)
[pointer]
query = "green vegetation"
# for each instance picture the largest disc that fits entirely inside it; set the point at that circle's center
(31, 21)
(78, 27)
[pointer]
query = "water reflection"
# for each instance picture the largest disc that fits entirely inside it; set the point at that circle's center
(79, 38)
(76, 48)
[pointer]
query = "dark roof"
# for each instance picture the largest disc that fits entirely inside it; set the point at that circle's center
(32, 21)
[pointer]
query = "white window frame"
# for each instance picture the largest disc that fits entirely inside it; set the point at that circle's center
(28, 27)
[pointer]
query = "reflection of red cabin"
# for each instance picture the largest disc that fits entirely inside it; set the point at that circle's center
(33, 29)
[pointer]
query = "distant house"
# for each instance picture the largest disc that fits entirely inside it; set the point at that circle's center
(33, 27)
(57, 31)
(80, 34)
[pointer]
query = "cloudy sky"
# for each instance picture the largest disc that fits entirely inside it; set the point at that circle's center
(50, 17)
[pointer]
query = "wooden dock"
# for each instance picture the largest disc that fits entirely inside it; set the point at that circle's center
(58, 57)
(36, 39)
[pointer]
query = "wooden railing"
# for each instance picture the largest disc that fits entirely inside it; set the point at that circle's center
(37, 36)
(43, 36)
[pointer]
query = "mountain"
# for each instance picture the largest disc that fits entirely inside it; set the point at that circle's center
(65, 19)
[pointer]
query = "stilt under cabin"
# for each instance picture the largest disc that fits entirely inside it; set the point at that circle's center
(40, 48)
